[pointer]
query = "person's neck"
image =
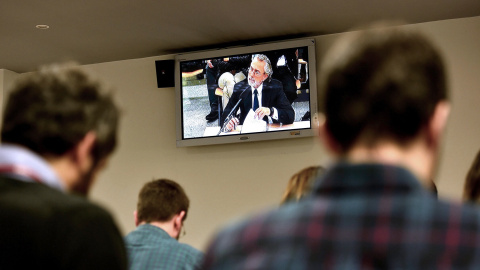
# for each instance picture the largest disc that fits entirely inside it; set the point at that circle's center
(166, 226)
(259, 87)
(65, 171)
(415, 157)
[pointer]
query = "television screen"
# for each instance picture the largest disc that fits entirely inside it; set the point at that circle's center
(249, 93)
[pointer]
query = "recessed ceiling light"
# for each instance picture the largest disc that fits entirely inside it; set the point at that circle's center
(42, 26)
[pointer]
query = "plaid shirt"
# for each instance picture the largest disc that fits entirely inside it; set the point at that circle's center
(365, 216)
(150, 247)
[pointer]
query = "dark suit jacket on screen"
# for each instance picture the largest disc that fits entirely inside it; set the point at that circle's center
(272, 96)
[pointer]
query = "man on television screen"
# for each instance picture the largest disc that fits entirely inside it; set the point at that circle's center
(260, 94)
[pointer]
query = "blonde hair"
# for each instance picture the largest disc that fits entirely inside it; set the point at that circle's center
(301, 183)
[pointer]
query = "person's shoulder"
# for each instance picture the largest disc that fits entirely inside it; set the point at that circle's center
(439, 213)
(467, 212)
(79, 209)
(192, 256)
(274, 83)
(73, 204)
(241, 85)
(43, 203)
(272, 86)
(37, 199)
(188, 249)
(244, 233)
(61, 206)
(249, 229)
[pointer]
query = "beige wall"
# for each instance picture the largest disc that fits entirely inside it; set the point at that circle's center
(216, 177)
(6, 79)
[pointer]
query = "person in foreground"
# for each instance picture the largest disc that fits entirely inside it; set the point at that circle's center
(161, 210)
(385, 107)
(59, 129)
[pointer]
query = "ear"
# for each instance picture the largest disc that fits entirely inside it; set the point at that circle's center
(438, 122)
(326, 138)
(178, 220)
(83, 150)
(135, 217)
(177, 225)
(265, 76)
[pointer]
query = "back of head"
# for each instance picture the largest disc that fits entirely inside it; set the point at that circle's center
(382, 83)
(160, 200)
(51, 110)
(471, 190)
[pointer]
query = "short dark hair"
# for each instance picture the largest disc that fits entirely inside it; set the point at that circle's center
(50, 111)
(160, 200)
(380, 83)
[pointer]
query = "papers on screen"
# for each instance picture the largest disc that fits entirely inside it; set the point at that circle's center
(251, 124)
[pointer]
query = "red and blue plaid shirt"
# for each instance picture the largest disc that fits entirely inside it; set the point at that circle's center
(367, 216)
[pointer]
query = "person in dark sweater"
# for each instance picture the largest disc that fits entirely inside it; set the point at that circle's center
(59, 129)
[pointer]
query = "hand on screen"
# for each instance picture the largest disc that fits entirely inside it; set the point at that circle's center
(232, 124)
(261, 112)
(209, 62)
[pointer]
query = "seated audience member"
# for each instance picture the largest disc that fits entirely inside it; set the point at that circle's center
(301, 183)
(385, 107)
(161, 210)
(471, 189)
(59, 129)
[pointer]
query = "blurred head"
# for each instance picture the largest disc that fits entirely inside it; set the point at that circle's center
(381, 84)
(260, 70)
(471, 189)
(301, 183)
(160, 200)
(51, 111)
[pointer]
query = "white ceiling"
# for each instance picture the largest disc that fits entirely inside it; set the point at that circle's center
(95, 31)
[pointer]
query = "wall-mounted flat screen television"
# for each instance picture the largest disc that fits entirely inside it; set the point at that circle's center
(249, 93)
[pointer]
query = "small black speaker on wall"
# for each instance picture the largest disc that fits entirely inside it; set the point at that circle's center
(165, 73)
